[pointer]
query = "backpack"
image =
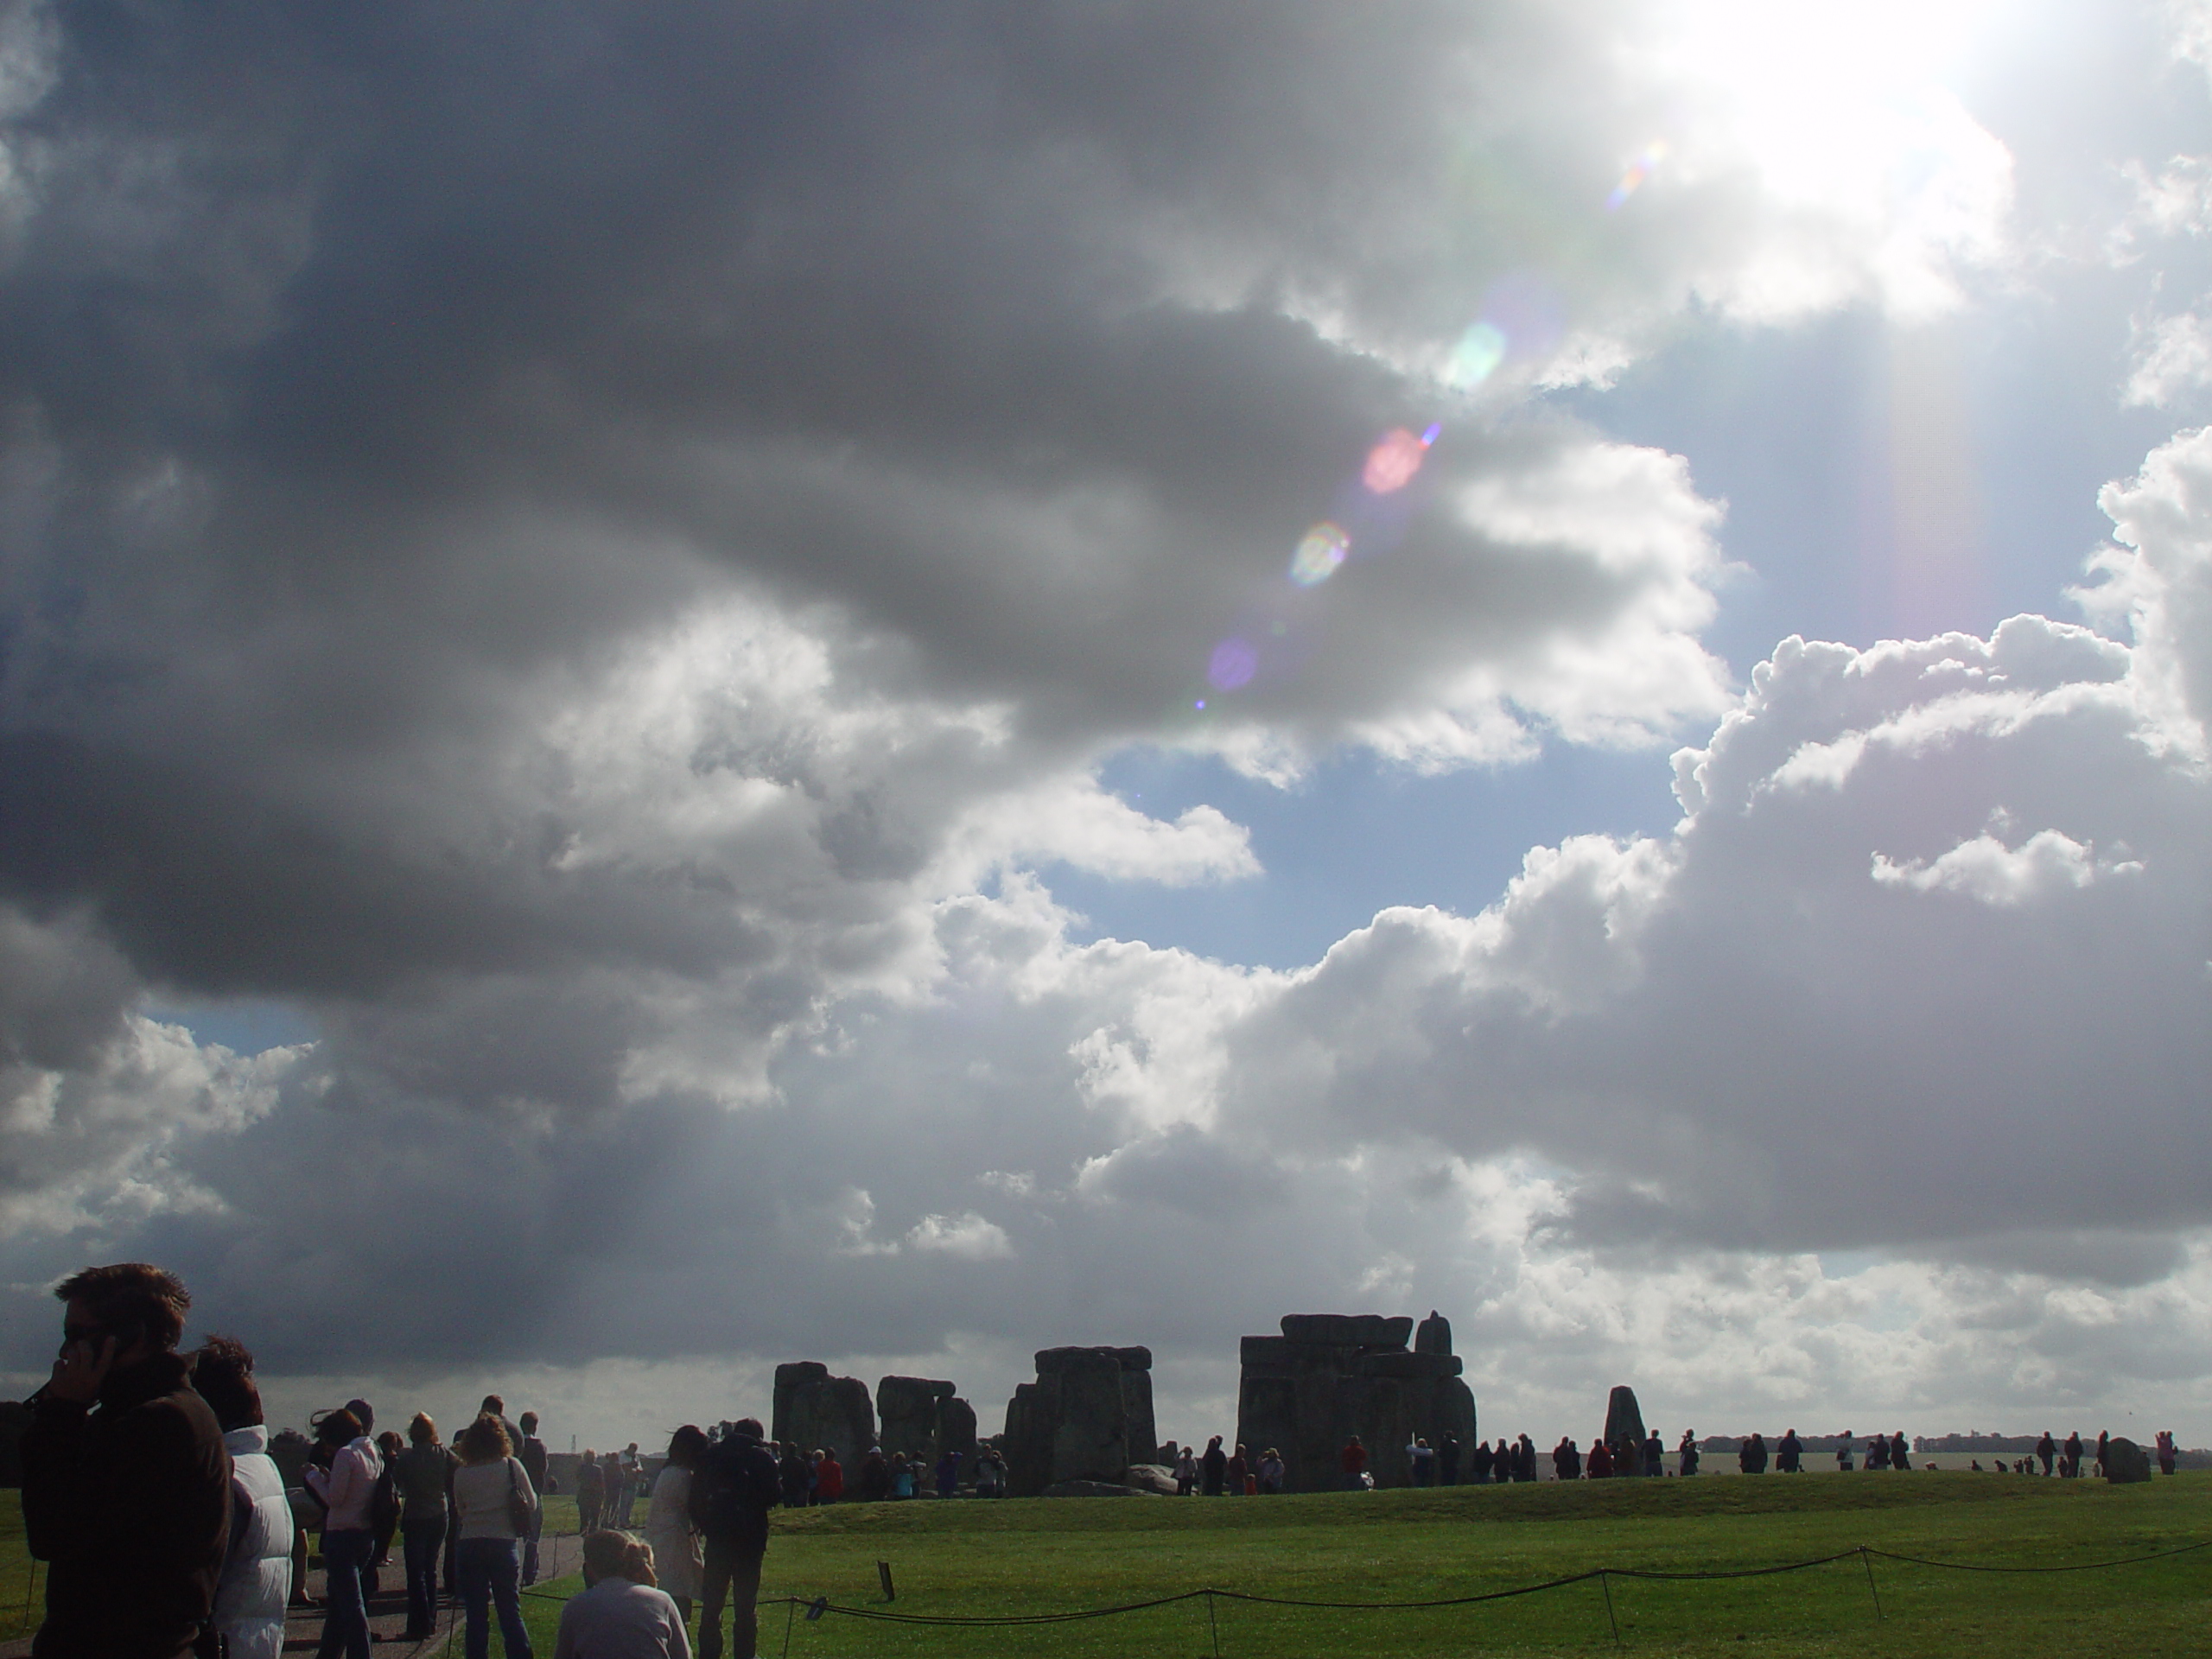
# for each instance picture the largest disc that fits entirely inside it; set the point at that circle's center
(735, 1485)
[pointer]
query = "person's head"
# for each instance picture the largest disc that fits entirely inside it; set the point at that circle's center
(494, 1404)
(222, 1375)
(613, 1554)
(421, 1431)
(362, 1413)
(590, 1456)
(685, 1445)
(746, 1428)
(484, 1441)
(390, 1444)
(339, 1427)
(527, 1422)
(140, 1305)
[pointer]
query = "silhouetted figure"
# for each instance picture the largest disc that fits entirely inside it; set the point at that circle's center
(1566, 1459)
(1685, 1453)
(733, 1486)
(1351, 1463)
(1601, 1459)
(1750, 1458)
(1655, 1455)
(2073, 1465)
(2047, 1451)
(1479, 1463)
(1900, 1452)
(1213, 1468)
(1787, 1452)
(1447, 1459)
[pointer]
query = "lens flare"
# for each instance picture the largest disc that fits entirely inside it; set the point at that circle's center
(1477, 356)
(1233, 664)
(1638, 171)
(1393, 461)
(1320, 554)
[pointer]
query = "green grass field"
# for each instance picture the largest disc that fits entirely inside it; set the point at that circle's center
(1050, 1555)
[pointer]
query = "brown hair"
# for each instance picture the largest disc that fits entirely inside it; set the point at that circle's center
(131, 1296)
(421, 1430)
(613, 1554)
(222, 1375)
(484, 1441)
(339, 1427)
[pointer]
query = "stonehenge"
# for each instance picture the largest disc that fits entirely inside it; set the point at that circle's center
(815, 1409)
(1328, 1376)
(1087, 1417)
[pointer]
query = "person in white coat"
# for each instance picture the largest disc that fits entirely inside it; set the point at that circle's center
(256, 1580)
(677, 1557)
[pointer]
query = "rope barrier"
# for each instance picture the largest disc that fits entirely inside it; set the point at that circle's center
(1604, 1575)
(2077, 1566)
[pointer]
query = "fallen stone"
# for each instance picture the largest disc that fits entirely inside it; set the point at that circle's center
(2126, 1463)
(1151, 1478)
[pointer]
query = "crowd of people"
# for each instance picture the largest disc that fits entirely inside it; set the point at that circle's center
(153, 1492)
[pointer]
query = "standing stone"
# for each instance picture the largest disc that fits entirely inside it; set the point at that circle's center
(1031, 1417)
(909, 1409)
(2127, 1463)
(1091, 1441)
(1433, 1335)
(1330, 1375)
(1138, 1426)
(1087, 1417)
(955, 1432)
(1624, 1430)
(817, 1409)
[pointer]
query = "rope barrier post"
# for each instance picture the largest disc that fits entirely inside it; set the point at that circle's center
(1213, 1628)
(790, 1610)
(1606, 1583)
(1867, 1562)
(31, 1589)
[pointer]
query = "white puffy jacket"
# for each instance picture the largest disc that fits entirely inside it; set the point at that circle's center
(257, 1577)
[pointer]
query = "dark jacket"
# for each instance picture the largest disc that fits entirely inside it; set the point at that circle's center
(530, 1451)
(733, 1487)
(130, 1504)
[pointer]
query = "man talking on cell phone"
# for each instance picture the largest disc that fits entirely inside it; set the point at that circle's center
(126, 1484)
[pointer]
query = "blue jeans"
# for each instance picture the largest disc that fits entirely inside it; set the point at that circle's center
(423, 1542)
(529, 1545)
(345, 1614)
(491, 1570)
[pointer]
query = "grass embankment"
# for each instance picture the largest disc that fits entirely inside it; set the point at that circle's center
(1050, 1555)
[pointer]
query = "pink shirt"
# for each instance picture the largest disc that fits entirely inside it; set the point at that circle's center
(349, 1487)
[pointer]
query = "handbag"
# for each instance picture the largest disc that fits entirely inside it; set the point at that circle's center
(517, 1504)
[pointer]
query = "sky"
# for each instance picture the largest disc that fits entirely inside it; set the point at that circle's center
(690, 686)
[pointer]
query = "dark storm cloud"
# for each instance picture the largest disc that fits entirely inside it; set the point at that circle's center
(557, 538)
